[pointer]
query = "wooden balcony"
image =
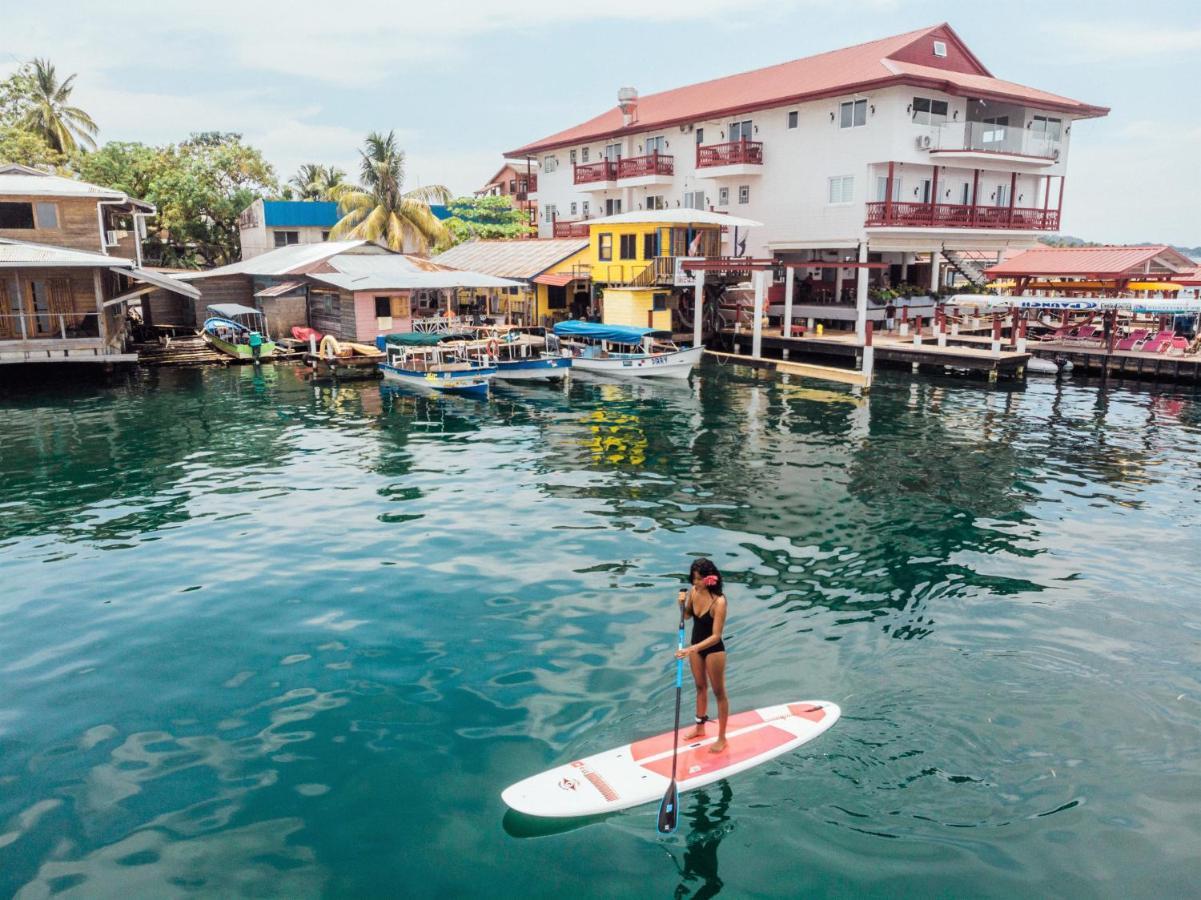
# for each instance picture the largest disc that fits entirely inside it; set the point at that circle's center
(643, 166)
(734, 153)
(590, 173)
(570, 229)
(957, 215)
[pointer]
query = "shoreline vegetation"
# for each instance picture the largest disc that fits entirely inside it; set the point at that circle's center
(201, 185)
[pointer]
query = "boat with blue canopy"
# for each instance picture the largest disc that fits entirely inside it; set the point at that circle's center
(625, 351)
(238, 331)
(525, 353)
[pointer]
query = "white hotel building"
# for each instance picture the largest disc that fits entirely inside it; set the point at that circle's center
(900, 151)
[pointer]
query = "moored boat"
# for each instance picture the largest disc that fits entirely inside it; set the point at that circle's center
(625, 352)
(525, 354)
(440, 362)
(238, 331)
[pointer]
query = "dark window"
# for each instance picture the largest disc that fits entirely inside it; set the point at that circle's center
(659, 302)
(792, 119)
(700, 135)
(325, 235)
(284, 238)
(853, 113)
(383, 307)
(650, 245)
(629, 246)
(16, 215)
(605, 247)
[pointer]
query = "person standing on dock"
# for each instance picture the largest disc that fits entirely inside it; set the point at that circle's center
(890, 315)
(705, 604)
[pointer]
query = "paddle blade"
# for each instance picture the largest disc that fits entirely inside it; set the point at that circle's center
(669, 809)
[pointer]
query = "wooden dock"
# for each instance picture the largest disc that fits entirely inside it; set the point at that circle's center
(889, 349)
(803, 370)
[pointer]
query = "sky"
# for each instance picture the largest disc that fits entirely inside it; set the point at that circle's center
(461, 81)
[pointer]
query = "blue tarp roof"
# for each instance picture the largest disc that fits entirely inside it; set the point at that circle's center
(315, 213)
(300, 213)
(617, 334)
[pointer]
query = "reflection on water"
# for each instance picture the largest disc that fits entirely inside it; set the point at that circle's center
(266, 636)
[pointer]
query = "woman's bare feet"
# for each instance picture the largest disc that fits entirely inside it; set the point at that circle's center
(697, 732)
(718, 745)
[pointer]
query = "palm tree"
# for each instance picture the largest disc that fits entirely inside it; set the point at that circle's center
(314, 181)
(48, 114)
(380, 209)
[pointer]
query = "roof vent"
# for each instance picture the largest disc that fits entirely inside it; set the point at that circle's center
(627, 99)
(940, 48)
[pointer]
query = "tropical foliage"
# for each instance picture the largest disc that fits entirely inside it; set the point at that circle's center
(380, 209)
(486, 217)
(314, 181)
(34, 99)
(26, 148)
(199, 186)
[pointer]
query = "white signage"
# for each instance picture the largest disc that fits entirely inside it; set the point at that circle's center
(686, 279)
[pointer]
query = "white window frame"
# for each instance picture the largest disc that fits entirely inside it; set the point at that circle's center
(573, 207)
(613, 151)
(940, 49)
(882, 188)
(929, 115)
(1002, 196)
(583, 154)
(856, 107)
(571, 155)
(550, 164)
(723, 196)
(584, 209)
(39, 221)
(840, 190)
(656, 143)
(744, 194)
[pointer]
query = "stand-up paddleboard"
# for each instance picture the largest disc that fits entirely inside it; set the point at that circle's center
(640, 772)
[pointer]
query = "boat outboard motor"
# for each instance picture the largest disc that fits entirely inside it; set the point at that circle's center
(256, 345)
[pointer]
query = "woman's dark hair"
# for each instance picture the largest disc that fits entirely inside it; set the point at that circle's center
(704, 567)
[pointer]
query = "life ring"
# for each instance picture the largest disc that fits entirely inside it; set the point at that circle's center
(329, 347)
(494, 348)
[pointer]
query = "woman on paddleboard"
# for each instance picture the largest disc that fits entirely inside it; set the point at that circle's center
(705, 604)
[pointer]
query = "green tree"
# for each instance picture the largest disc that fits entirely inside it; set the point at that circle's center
(485, 217)
(380, 209)
(26, 148)
(42, 105)
(123, 166)
(314, 181)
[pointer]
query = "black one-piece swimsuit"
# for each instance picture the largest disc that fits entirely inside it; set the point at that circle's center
(702, 628)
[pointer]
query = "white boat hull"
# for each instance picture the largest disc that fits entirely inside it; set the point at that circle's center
(657, 365)
(546, 368)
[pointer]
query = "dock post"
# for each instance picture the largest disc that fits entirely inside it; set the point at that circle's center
(904, 321)
(757, 325)
(917, 331)
(996, 342)
(1021, 333)
(861, 292)
(869, 356)
(698, 312)
(789, 276)
(954, 321)
(312, 345)
(942, 326)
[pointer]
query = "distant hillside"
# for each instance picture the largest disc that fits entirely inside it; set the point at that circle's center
(1069, 240)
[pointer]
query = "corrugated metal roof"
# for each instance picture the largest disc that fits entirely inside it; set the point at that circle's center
(1106, 262)
(395, 271)
(281, 261)
(24, 253)
(278, 290)
(523, 258)
(300, 213)
(877, 63)
(18, 180)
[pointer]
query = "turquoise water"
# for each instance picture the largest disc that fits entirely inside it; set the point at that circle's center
(259, 638)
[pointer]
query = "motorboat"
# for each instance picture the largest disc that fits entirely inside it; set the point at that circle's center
(624, 351)
(525, 354)
(446, 362)
(238, 331)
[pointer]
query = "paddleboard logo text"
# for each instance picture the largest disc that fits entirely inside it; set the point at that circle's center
(568, 784)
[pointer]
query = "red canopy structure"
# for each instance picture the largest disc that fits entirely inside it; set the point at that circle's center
(1113, 263)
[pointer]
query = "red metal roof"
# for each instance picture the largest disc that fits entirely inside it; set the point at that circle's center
(1091, 262)
(555, 280)
(875, 64)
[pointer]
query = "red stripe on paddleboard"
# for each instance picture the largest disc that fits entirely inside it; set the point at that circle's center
(698, 761)
(601, 785)
(661, 742)
(807, 711)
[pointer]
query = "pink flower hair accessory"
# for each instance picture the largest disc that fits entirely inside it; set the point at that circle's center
(709, 581)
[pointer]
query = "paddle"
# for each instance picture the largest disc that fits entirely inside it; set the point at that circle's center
(669, 808)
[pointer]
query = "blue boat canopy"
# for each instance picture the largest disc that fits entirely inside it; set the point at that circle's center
(614, 334)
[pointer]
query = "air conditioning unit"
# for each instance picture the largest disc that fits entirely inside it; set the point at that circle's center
(924, 141)
(110, 238)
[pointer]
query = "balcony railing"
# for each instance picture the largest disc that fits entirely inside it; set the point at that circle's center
(986, 137)
(587, 173)
(958, 215)
(48, 326)
(731, 154)
(570, 229)
(652, 164)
